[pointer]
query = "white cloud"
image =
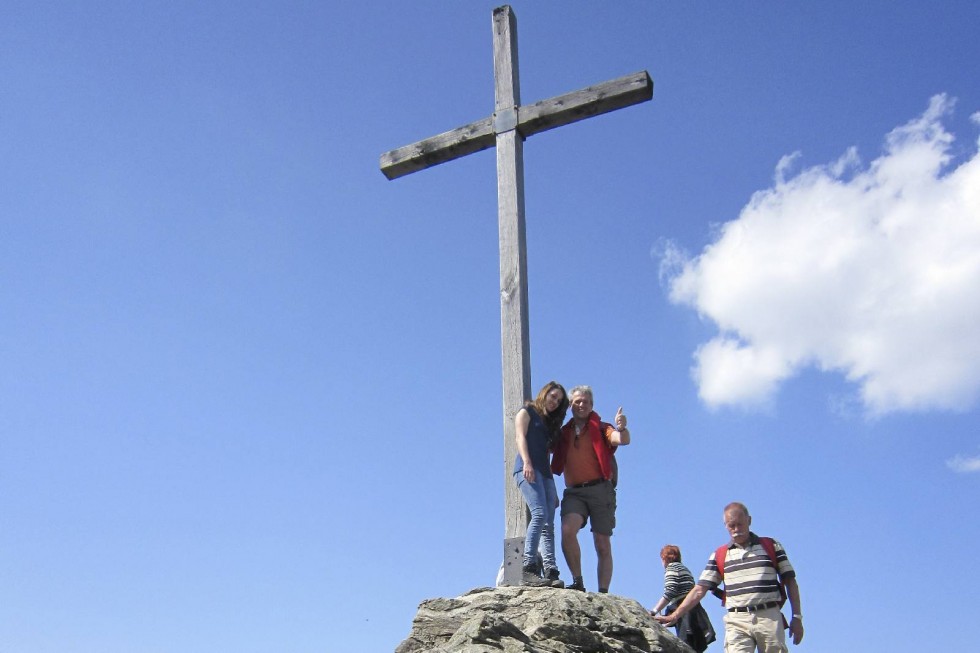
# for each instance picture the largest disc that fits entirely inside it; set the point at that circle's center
(964, 465)
(872, 272)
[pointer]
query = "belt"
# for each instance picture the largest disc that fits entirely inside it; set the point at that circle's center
(589, 483)
(756, 608)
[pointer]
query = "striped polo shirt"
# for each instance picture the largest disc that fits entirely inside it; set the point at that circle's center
(750, 578)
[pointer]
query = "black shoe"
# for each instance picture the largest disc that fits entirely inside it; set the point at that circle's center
(531, 578)
(579, 585)
(552, 576)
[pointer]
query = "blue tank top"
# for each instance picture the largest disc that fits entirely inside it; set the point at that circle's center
(537, 445)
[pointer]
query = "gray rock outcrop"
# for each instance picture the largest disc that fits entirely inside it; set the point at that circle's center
(536, 620)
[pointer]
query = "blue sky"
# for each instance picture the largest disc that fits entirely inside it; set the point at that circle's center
(250, 389)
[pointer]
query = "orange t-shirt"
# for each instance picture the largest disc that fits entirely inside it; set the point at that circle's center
(581, 463)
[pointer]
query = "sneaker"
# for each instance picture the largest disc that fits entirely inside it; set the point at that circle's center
(552, 576)
(530, 578)
(579, 585)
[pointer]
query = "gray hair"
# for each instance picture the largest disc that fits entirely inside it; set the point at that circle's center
(582, 390)
(735, 506)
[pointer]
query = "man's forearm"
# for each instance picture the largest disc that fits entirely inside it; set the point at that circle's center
(692, 599)
(793, 594)
(618, 437)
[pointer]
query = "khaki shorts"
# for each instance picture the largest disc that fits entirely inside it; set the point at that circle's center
(596, 503)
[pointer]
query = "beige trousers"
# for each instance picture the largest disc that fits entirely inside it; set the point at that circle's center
(744, 631)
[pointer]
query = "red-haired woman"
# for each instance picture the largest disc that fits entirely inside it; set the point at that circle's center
(694, 627)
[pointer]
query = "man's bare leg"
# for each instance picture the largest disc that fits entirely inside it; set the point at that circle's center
(570, 526)
(603, 549)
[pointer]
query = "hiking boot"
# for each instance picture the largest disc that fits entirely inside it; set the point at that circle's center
(552, 576)
(531, 578)
(579, 585)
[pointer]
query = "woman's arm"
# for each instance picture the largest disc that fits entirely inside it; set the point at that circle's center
(661, 604)
(521, 422)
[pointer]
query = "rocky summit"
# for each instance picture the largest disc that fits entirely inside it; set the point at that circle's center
(536, 620)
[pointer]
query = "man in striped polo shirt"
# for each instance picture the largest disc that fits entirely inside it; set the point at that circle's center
(752, 591)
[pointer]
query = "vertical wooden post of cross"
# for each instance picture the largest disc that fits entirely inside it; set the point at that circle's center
(514, 330)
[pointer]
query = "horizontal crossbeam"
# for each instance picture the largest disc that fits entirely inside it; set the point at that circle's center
(531, 119)
(578, 105)
(447, 146)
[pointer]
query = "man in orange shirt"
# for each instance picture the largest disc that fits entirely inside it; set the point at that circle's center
(584, 454)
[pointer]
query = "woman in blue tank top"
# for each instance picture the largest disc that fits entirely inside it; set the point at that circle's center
(537, 426)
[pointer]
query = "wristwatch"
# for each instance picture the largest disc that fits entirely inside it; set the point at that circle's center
(798, 616)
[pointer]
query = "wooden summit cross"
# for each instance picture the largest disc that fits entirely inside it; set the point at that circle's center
(506, 129)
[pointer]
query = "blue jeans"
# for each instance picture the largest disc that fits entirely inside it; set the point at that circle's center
(541, 498)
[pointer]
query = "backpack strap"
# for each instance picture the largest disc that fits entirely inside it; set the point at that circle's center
(770, 548)
(720, 555)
